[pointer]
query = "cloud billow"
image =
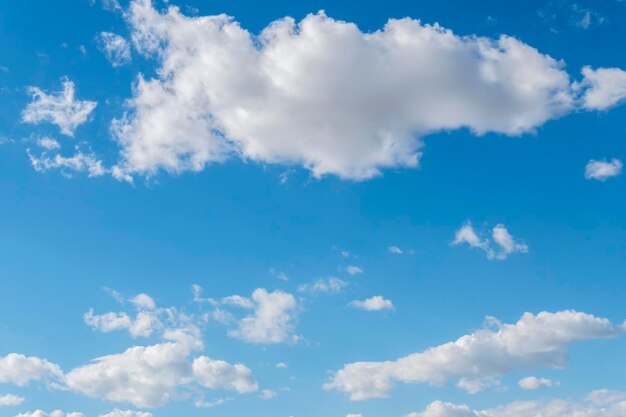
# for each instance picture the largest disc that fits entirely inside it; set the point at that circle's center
(323, 94)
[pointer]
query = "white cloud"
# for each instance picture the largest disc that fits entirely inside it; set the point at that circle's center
(215, 374)
(602, 88)
(60, 108)
(504, 242)
(353, 270)
(357, 102)
(151, 376)
(535, 341)
(10, 400)
(145, 376)
(281, 365)
(19, 370)
(553, 408)
(395, 250)
(331, 285)
(474, 386)
(268, 394)
(272, 321)
(55, 413)
(376, 303)
(354, 415)
(79, 162)
(211, 404)
(143, 325)
(143, 302)
(533, 383)
(115, 47)
(126, 413)
(507, 244)
(107, 322)
(604, 397)
(238, 301)
(603, 170)
(48, 143)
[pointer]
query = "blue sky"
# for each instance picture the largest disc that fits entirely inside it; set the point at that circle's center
(319, 217)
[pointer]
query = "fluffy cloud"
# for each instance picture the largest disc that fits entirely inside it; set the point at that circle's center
(357, 102)
(272, 321)
(19, 370)
(48, 143)
(554, 408)
(504, 242)
(143, 302)
(143, 325)
(10, 400)
(151, 376)
(532, 383)
(376, 303)
(115, 48)
(331, 285)
(603, 88)
(603, 170)
(60, 108)
(535, 341)
(215, 374)
(145, 376)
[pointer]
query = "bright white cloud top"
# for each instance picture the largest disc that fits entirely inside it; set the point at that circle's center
(357, 102)
(535, 341)
(272, 321)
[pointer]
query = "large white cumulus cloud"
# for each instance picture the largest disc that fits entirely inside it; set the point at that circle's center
(323, 94)
(534, 341)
